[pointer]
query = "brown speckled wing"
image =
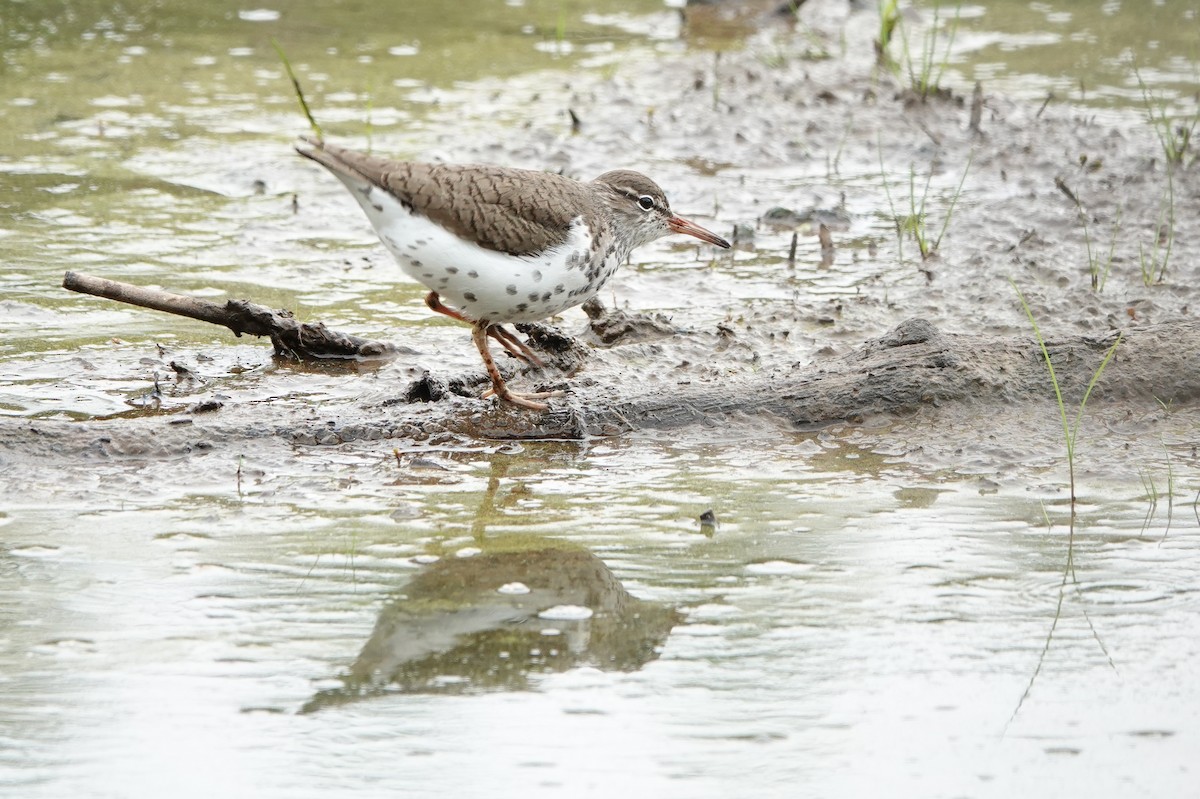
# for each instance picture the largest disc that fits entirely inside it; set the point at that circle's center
(515, 211)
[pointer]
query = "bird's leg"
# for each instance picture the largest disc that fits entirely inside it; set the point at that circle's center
(509, 340)
(515, 347)
(479, 333)
(435, 304)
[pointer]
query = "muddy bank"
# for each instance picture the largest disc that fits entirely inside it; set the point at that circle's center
(779, 144)
(914, 366)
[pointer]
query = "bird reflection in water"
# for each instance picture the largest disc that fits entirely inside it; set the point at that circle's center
(520, 607)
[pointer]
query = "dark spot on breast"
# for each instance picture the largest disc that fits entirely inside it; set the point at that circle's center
(472, 273)
(560, 288)
(416, 263)
(546, 297)
(537, 276)
(442, 283)
(426, 275)
(521, 306)
(469, 296)
(510, 288)
(533, 295)
(411, 246)
(452, 270)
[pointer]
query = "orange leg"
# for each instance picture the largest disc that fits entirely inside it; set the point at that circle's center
(479, 333)
(509, 340)
(517, 348)
(435, 304)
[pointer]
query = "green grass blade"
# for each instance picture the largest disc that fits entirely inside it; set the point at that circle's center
(954, 201)
(299, 92)
(1062, 408)
(1091, 385)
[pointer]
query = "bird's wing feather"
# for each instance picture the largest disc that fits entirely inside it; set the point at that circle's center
(491, 205)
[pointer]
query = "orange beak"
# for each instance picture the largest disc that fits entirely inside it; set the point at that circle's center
(681, 225)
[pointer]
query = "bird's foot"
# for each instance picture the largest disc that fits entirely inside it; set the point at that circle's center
(524, 399)
(480, 333)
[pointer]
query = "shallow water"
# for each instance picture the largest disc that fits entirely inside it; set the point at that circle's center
(844, 611)
(852, 623)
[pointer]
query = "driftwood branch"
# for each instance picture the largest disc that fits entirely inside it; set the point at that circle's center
(291, 338)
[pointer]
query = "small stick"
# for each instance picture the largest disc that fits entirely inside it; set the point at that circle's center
(792, 251)
(155, 299)
(976, 110)
(290, 337)
(1046, 102)
(826, 240)
(932, 136)
(1065, 189)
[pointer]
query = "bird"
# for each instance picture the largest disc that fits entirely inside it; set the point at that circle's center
(498, 245)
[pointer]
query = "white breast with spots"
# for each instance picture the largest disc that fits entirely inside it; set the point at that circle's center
(482, 283)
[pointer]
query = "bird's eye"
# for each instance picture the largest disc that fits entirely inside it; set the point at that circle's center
(646, 202)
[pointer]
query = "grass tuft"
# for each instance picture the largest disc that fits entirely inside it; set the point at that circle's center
(889, 18)
(926, 68)
(1099, 267)
(915, 223)
(1154, 261)
(1175, 135)
(1070, 432)
(1070, 428)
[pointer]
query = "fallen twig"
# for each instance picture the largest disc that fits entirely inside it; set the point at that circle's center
(291, 338)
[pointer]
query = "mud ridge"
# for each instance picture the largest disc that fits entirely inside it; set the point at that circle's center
(913, 366)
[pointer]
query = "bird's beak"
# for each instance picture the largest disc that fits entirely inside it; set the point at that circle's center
(681, 225)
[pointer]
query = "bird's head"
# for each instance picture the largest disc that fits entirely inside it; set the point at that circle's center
(642, 212)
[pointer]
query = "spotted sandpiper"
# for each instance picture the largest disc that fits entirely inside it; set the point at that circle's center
(497, 245)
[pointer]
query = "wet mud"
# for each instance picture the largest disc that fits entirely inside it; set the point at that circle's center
(913, 367)
(1044, 185)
